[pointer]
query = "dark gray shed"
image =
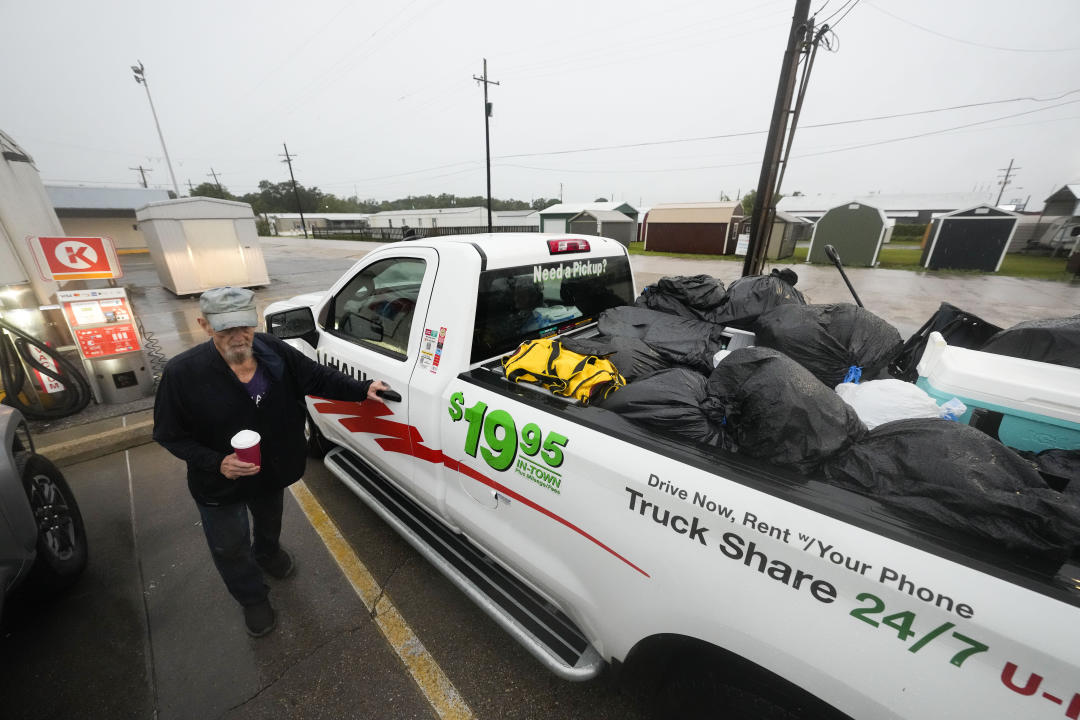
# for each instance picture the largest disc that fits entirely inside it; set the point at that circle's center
(856, 230)
(971, 239)
(787, 231)
(603, 223)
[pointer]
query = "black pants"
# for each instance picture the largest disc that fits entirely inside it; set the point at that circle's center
(235, 544)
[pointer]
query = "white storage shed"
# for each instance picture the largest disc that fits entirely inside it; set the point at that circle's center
(201, 243)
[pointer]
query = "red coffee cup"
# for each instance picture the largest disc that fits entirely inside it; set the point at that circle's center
(246, 445)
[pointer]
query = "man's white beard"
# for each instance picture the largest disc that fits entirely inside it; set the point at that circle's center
(236, 356)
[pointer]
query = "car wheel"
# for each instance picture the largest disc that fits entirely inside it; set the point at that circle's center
(317, 444)
(698, 689)
(61, 545)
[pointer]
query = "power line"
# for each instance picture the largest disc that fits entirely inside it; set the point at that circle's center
(845, 14)
(837, 11)
(746, 133)
(970, 42)
(803, 155)
(939, 132)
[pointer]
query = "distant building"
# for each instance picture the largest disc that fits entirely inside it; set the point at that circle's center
(289, 223)
(913, 208)
(429, 221)
(103, 212)
(710, 228)
(603, 223)
(553, 219)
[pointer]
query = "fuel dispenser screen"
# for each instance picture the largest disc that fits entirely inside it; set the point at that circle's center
(101, 322)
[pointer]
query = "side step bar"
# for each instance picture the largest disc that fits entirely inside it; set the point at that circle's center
(541, 628)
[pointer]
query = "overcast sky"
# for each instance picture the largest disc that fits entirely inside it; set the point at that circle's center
(378, 99)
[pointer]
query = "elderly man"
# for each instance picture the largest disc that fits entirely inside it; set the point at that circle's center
(243, 380)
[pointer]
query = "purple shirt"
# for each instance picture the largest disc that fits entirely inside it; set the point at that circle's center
(258, 385)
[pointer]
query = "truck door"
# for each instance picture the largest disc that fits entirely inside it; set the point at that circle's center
(373, 325)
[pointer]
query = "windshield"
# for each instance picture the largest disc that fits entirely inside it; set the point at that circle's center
(533, 301)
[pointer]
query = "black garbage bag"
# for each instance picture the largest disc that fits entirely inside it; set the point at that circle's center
(1059, 468)
(830, 340)
(687, 296)
(750, 296)
(1053, 340)
(775, 409)
(962, 478)
(959, 328)
(631, 356)
(678, 340)
(669, 402)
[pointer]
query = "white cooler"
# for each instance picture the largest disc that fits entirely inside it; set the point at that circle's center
(1040, 402)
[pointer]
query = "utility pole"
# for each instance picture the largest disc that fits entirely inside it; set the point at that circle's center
(191, 188)
(1005, 180)
(296, 193)
(142, 171)
(487, 135)
(217, 182)
(770, 163)
(140, 77)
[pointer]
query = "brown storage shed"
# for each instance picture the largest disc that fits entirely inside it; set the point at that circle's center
(705, 228)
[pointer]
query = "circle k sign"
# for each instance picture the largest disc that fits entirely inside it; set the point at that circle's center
(75, 258)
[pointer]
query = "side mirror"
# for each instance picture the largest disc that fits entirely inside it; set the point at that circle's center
(295, 323)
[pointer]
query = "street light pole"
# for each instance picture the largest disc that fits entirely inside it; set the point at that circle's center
(140, 77)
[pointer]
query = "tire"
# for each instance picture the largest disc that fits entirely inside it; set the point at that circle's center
(61, 546)
(696, 688)
(317, 444)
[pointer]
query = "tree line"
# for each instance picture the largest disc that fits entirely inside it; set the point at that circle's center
(280, 198)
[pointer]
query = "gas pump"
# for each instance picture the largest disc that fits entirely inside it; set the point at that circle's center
(37, 262)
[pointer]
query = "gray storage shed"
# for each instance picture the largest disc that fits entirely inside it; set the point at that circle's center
(787, 231)
(855, 229)
(553, 219)
(972, 239)
(603, 223)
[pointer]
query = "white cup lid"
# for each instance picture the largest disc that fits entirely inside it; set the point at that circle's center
(245, 439)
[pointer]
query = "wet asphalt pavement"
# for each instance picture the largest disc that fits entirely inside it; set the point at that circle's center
(150, 631)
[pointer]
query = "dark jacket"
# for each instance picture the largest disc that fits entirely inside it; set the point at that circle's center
(201, 404)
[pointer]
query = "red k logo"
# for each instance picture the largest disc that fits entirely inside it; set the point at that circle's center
(72, 258)
(76, 255)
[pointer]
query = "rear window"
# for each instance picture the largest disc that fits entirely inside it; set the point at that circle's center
(533, 301)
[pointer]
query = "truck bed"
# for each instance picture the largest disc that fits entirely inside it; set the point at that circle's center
(1053, 579)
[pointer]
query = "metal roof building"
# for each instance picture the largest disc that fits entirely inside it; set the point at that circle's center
(103, 212)
(434, 218)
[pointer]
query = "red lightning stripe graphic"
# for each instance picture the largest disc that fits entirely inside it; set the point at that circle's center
(371, 417)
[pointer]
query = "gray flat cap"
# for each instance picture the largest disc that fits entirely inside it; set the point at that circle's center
(229, 307)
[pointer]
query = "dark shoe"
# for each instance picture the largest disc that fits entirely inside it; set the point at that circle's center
(260, 619)
(278, 566)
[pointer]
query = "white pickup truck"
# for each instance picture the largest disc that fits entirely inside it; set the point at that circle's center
(592, 540)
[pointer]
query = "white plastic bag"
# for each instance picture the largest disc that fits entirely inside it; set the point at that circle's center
(880, 401)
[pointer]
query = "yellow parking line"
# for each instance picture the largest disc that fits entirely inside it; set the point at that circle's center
(437, 688)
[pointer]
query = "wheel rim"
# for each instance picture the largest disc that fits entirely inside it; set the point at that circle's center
(56, 528)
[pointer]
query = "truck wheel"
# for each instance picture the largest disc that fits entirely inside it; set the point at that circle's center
(697, 689)
(317, 444)
(61, 545)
